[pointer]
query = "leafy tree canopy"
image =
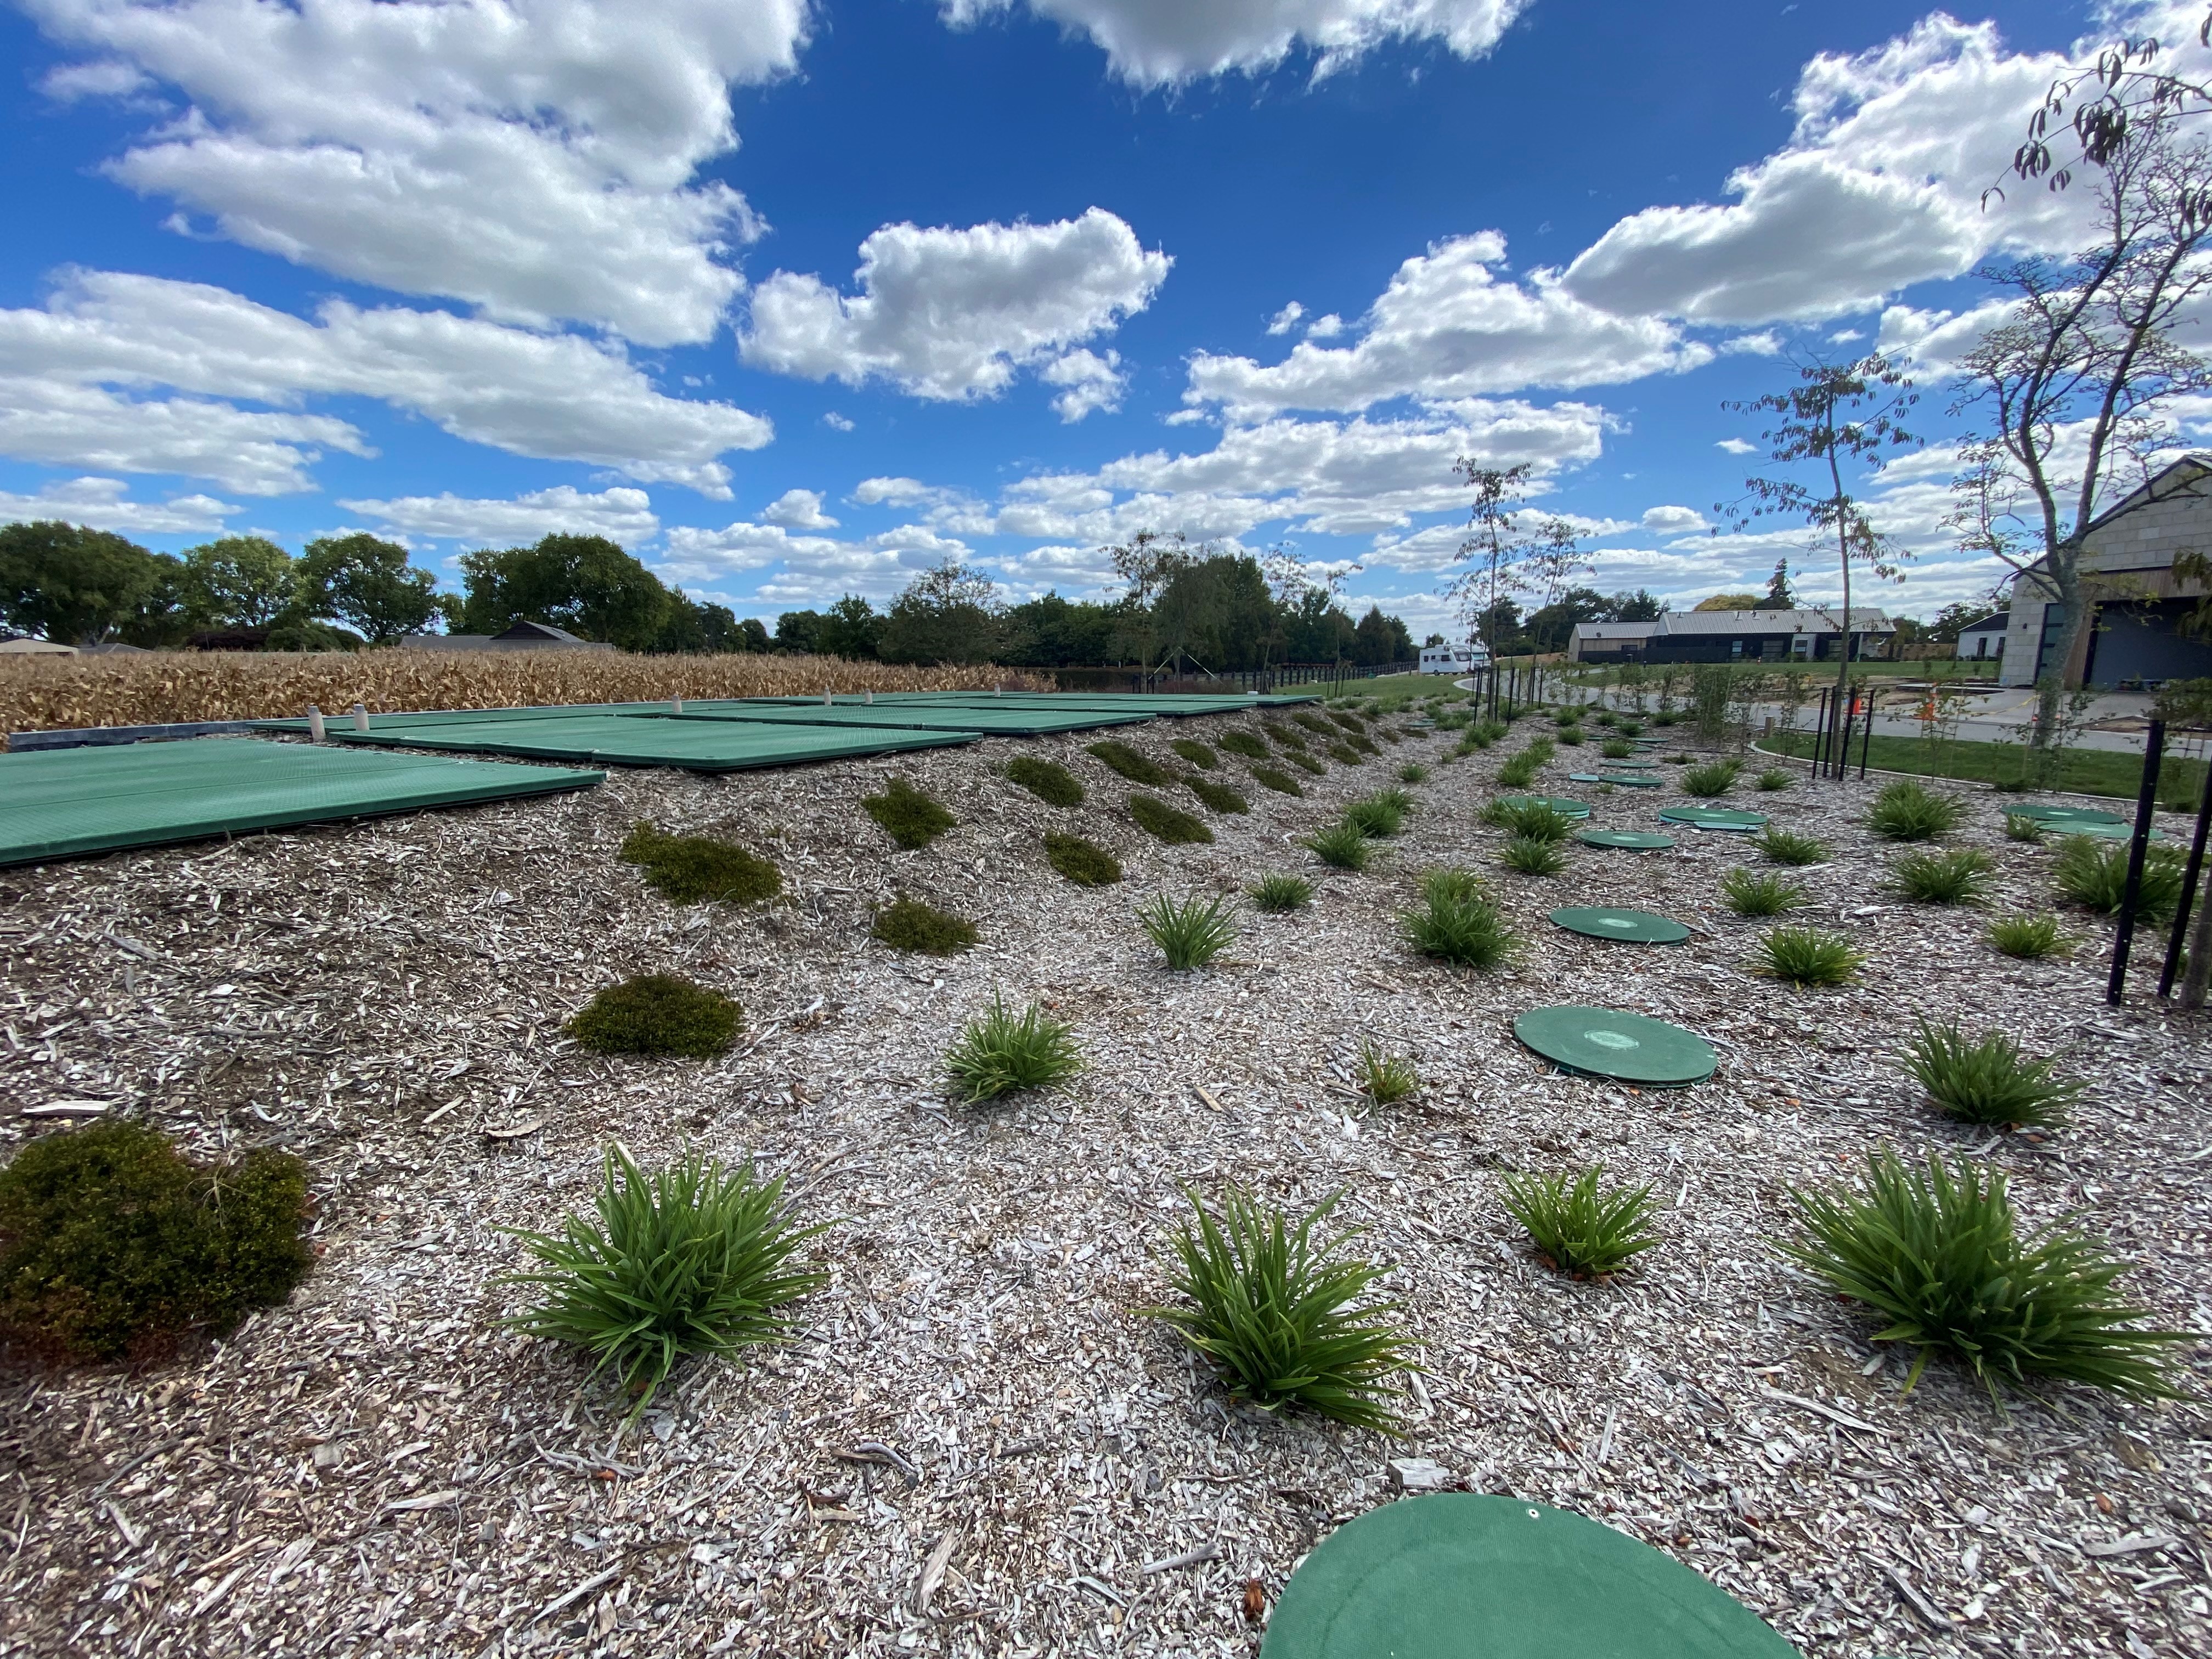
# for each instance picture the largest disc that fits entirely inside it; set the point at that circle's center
(367, 583)
(77, 586)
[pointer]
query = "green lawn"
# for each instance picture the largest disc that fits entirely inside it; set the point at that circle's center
(2081, 771)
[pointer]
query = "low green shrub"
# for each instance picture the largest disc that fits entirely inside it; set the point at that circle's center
(1346, 719)
(1412, 772)
(1279, 892)
(1582, 1225)
(1083, 862)
(1279, 1312)
(1530, 856)
(1572, 736)
(1458, 922)
(1710, 778)
(1165, 823)
(1376, 817)
(2093, 874)
(1299, 758)
(1195, 752)
(1936, 1254)
(1245, 744)
(692, 869)
(1341, 846)
(1120, 758)
(1783, 847)
(1189, 933)
(1628, 728)
(2028, 938)
(113, 1245)
(1519, 772)
(1281, 782)
(657, 1014)
(690, 1259)
(1989, 1082)
(1048, 780)
(999, 1051)
(1775, 778)
(1956, 878)
(907, 924)
(1666, 717)
(1314, 723)
(1751, 895)
(1536, 820)
(2020, 827)
(1384, 1078)
(1616, 749)
(1282, 737)
(908, 815)
(1218, 796)
(1343, 754)
(1806, 956)
(1908, 811)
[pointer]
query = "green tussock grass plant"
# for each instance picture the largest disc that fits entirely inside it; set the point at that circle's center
(1384, 1078)
(1218, 796)
(1567, 717)
(1749, 894)
(1988, 1082)
(1582, 1224)
(1282, 1316)
(1314, 723)
(2020, 827)
(1956, 878)
(1937, 1254)
(1532, 820)
(1281, 782)
(1489, 730)
(694, 869)
(1346, 719)
(693, 1259)
(1121, 759)
(1048, 780)
(1304, 762)
(1572, 736)
(1412, 772)
(1606, 717)
(1190, 933)
(2030, 939)
(1282, 736)
(1629, 728)
(1528, 856)
(1710, 778)
(1616, 749)
(1167, 824)
(1906, 811)
(657, 1014)
(907, 924)
(1774, 779)
(1666, 717)
(1280, 892)
(1196, 753)
(1243, 743)
(1457, 921)
(999, 1051)
(1519, 772)
(1785, 846)
(908, 815)
(114, 1246)
(1083, 862)
(2093, 874)
(1376, 816)
(1342, 846)
(1343, 754)
(1807, 955)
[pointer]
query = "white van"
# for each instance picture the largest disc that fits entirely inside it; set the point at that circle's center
(1454, 659)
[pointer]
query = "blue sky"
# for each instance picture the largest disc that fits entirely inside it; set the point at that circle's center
(794, 300)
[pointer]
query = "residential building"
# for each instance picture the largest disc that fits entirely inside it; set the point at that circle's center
(1608, 641)
(1985, 640)
(518, 637)
(1734, 636)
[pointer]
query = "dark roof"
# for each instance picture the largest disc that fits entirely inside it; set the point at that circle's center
(1683, 623)
(1996, 622)
(524, 630)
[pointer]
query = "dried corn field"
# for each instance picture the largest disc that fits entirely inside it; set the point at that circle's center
(46, 693)
(976, 1446)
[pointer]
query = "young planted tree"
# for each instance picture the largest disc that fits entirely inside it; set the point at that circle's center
(1504, 554)
(2071, 391)
(1839, 419)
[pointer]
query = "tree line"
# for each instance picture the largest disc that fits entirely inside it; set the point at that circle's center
(1184, 606)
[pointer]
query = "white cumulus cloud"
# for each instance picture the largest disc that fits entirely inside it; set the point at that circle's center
(535, 158)
(61, 422)
(799, 509)
(105, 504)
(955, 313)
(1162, 43)
(552, 396)
(1091, 382)
(807, 570)
(620, 515)
(1285, 320)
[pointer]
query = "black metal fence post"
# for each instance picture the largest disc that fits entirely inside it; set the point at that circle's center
(2139, 850)
(1820, 731)
(2195, 867)
(1866, 743)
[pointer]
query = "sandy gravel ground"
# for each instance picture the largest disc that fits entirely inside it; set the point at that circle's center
(379, 1468)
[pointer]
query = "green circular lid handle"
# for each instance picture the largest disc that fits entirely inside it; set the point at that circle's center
(1641, 840)
(1630, 926)
(1454, 1576)
(1607, 1043)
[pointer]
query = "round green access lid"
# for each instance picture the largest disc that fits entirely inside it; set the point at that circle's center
(1606, 1043)
(1713, 818)
(1454, 1576)
(1643, 840)
(1583, 777)
(2056, 815)
(1634, 927)
(1559, 804)
(1631, 780)
(1634, 765)
(2097, 831)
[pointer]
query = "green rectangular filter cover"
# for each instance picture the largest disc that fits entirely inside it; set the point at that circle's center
(63, 803)
(1011, 719)
(700, 745)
